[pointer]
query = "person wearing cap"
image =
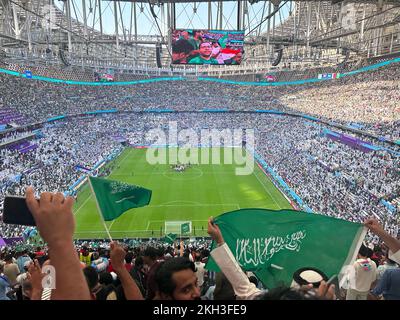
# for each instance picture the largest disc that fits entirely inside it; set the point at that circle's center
(308, 276)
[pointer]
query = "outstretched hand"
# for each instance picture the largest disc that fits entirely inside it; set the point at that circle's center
(214, 232)
(117, 256)
(53, 216)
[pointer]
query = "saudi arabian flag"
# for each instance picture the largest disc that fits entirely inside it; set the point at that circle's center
(115, 197)
(275, 244)
(169, 238)
(185, 228)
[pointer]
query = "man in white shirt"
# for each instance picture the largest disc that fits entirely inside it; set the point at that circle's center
(363, 275)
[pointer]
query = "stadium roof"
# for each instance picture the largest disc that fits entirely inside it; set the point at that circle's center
(255, 1)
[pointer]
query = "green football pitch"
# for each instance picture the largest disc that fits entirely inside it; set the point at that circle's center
(193, 195)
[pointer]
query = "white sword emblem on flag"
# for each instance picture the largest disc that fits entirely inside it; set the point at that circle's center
(123, 199)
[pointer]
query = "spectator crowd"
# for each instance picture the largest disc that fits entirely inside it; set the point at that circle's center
(367, 100)
(332, 178)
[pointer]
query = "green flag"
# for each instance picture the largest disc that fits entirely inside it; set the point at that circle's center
(275, 244)
(185, 228)
(169, 238)
(115, 197)
(223, 41)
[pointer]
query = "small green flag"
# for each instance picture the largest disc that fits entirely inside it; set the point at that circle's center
(185, 228)
(223, 41)
(115, 197)
(169, 238)
(274, 244)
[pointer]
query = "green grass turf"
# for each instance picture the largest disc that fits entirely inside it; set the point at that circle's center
(194, 195)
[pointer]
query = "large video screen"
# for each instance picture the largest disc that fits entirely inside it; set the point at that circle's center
(207, 47)
(104, 76)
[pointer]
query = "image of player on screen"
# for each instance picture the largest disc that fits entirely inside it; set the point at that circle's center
(205, 55)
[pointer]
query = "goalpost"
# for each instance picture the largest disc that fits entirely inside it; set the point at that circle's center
(177, 226)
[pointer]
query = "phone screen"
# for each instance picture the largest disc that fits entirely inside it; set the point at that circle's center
(16, 212)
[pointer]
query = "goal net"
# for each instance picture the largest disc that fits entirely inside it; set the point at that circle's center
(178, 227)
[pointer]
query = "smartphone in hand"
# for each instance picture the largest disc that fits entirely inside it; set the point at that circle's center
(16, 211)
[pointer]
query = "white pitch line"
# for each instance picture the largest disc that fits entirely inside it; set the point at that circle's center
(163, 173)
(119, 231)
(195, 205)
(109, 228)
(180, 202)
(76, 212)
(267, 190)
(122, 161)
(151, 221)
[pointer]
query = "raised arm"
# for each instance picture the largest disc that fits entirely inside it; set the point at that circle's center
(35, 276)
(131, 290)
(55, 222)
(225, 260)
(391, 242)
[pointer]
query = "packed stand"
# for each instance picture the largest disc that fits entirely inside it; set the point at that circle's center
(366, 100)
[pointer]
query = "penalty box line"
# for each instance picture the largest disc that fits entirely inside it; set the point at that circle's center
(163, 221)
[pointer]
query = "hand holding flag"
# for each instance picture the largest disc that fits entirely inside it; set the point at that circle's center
(274, 244)
(215, 232)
